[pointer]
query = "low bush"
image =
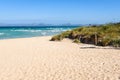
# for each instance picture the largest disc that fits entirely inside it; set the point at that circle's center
(116, 43)
(76, 41)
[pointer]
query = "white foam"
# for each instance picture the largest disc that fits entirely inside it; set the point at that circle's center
(26, 30)
(2, 33)
(43, 33)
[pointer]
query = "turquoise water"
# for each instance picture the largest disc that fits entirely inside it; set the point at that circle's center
(24, 32)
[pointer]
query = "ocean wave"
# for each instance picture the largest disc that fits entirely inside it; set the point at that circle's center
(58, 30)
(27, 30)
(51, 30)
(44, 33)
(54, 28)
(2, 34)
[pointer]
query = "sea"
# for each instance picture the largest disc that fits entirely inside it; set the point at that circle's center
(9, 32)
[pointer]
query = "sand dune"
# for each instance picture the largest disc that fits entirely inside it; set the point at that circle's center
(40, 59)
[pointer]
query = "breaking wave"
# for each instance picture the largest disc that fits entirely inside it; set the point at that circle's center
(2, 34)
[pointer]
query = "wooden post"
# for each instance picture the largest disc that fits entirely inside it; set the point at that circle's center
(80, 38)
(95, 38)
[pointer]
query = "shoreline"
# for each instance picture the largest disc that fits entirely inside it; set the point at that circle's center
(82, 45)
(41, 59)
(24, 38)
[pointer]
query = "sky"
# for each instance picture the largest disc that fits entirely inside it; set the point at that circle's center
(59, 11)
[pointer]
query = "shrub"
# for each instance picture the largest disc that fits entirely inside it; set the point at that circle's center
(116, 43)
(56, 38)
(65, 34)
(106, 41)
(76, 41)
(73, 34)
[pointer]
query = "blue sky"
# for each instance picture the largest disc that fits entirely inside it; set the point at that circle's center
(59, 11)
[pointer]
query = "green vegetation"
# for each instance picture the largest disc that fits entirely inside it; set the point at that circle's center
(76, 41)
(101, 35)
(116, 43)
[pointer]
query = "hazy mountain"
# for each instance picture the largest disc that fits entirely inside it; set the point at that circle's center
(38, 24)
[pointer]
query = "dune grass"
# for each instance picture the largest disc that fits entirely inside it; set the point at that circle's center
(102, 35)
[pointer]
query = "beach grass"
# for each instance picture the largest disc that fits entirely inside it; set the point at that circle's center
(102, 35)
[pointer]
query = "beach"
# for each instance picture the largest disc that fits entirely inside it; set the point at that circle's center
(38, 58)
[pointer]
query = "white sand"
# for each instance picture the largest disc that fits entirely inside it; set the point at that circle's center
(40, 59)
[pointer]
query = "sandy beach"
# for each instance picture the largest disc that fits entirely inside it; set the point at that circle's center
(40, 59)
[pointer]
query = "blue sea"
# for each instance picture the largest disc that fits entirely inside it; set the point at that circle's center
(7, 32)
